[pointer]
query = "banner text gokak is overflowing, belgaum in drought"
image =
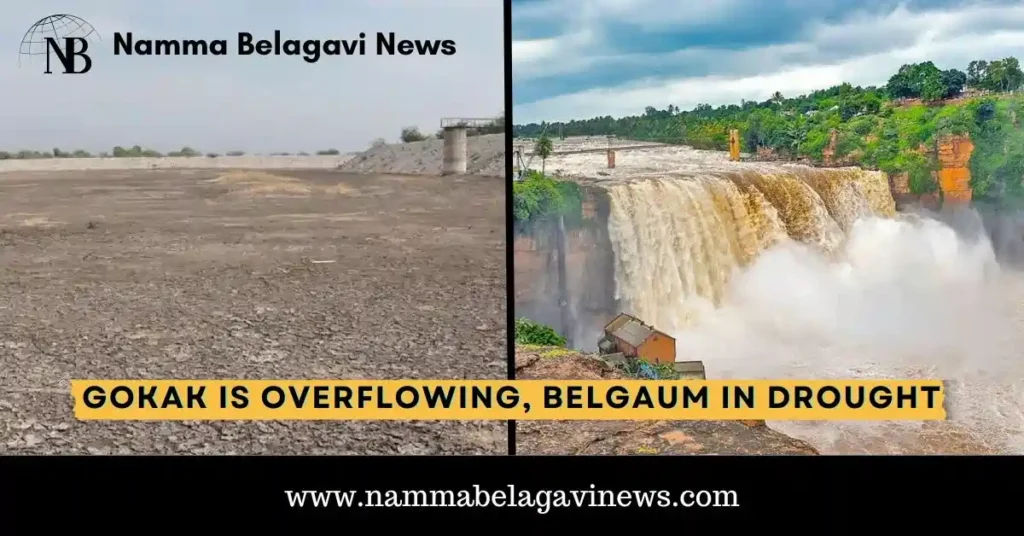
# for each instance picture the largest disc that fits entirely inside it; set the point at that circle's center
(508, 399)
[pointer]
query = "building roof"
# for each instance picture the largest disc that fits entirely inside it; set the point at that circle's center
(631, 329)
(616, 322)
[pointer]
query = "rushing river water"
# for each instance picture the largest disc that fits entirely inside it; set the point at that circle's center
(814, 275)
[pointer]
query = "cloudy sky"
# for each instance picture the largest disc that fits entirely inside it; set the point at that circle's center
(256, 104)
(576, 59)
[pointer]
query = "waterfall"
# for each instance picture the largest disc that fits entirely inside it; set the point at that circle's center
(790, 272)
(679, 240)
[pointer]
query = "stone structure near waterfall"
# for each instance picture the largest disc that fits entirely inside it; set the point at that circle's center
(734, 145)
(954, 177)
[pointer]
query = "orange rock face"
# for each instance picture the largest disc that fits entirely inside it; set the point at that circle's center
(954, 152)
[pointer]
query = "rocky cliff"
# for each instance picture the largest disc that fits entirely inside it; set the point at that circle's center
(589, 285)
(954, 177)
(952, 154)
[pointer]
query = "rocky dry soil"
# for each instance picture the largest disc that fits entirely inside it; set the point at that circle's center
(233, 274)
(632, 437)
(485, 155)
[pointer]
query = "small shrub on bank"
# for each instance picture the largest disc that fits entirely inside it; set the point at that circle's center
(535, 333)
(538, 196)
(411, 134)
(638, 368)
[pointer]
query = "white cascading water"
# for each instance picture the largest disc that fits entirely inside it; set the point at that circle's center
(814, 275)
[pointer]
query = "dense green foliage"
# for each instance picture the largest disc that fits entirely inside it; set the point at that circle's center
(530, 332)
(876, 127)
(926, 82)
(539, 197)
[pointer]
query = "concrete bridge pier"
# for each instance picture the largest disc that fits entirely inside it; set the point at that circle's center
(454, 162)
(455, 131)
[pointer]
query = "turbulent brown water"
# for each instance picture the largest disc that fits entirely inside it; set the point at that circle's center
(808, 273)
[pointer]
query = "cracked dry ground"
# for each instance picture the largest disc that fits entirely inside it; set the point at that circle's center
(210, 274)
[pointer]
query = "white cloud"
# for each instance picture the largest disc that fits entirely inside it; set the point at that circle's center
(648, 14)
(552, 56)
(534, 50)
(950, 38)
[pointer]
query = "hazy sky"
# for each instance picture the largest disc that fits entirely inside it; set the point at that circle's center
(577, 59)
(256, 104)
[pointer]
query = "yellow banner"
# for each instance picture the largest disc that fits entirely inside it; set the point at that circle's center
(153, 400)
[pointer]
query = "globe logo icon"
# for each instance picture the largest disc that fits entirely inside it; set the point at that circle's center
(54, 31)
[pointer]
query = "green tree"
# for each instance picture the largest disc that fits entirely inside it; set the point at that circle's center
(932, 89)
(871, 103)
(953, 83)
(543, 149)
(917, 80)
(185, 151)
(871, 131)
(1014, 75)
(1003, 75)
(976, 73)
(900, 85)
(411, 134)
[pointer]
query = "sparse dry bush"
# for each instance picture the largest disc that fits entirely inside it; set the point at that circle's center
(411, 134)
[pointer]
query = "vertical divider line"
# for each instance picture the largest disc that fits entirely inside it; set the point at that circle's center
(509, 231)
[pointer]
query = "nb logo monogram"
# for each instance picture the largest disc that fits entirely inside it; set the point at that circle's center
(63, 39)
(73, 47)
